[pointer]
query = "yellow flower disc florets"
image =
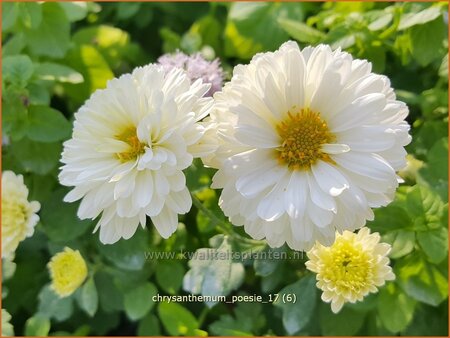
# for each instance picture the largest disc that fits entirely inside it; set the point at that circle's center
(136, 147)
(68, 271)
(350, 268)
(303, 133)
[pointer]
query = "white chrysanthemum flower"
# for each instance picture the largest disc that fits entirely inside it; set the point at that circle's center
(18, 214)
(354, 266)
(7, 328)
(129, 146)
(310, 141)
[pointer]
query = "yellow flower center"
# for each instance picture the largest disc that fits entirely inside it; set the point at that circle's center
(136, 148)
(303, 133)
(347, 266)
(68, 271)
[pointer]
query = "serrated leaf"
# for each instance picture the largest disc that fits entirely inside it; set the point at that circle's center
(434, 243)
(52, 36)
(435, 170)
(422, 280)
(425, 207)
(246, 321)
(296, 315)
(139, 301)
(17, 70)
(402, 242)
(252, 27)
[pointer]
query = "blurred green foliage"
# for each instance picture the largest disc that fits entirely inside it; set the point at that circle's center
(56, 54)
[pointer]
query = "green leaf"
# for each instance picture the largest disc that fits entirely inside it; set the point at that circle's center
(247, 320)
(36, 157)
(59, 219)
(127, 254)
(213, 273)
(424, 16)
(89, 297)
(10, 12)
(49, 71)
(422, 280)
(425, 207)
(87, 61)
(17, 70)
(435, 170)
(30, 14)
(297, 314)
(177, 320)
(381, 21)
(75, 11)
(402, 242)
(393, 298)
(252, 27)
(52, 306)
(390, 218)
(443, 69)
(265, 267)
(47, 125)
(427, 41)
(14, 45)
(210, 30)
(52, 36)
(113, 43)
(346, 322)
(110, 297)
(14, 113)
(38, 326)
(434, 243)
(301, 31)
(138, 301)
(39, 95)
(149, 326)
(169, 275)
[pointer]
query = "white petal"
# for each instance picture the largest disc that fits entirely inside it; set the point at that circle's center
(166, 222)
(335, 148)
(272, 207)
(329, 179)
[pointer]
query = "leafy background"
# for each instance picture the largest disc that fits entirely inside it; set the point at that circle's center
(56, 54)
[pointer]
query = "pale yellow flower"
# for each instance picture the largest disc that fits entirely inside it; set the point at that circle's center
(7, 328)
(18, 214)
(68, 271)
(354, 266)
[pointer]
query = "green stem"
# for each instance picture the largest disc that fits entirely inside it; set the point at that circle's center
(202, 316)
